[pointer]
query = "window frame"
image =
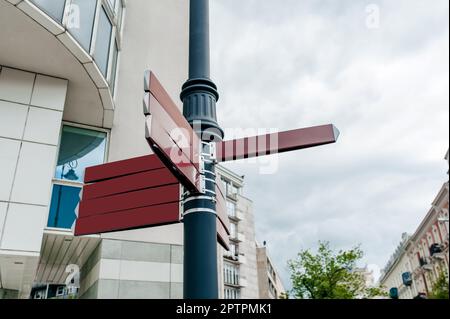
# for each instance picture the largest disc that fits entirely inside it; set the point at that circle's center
(49, 15)
(64, 23)
(116, 16)
(232, 274)
(102, 7)
(230, 204)
(68, 183)
(59, 293)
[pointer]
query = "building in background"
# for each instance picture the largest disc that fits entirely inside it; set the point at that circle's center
(269, 282)
(422, 257)
(367, 276)
(238, 264)
(71, 85)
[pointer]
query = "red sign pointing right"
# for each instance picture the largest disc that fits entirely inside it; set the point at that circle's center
(276, 142)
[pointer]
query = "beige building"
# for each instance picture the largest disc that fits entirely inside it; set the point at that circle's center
(239, 264)
(270, 284)
(71, 86)
(244, 276)
(424, 255)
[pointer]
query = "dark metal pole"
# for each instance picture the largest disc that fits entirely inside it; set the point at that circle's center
(199, 96)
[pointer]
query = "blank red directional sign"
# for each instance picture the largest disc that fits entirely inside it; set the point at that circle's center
(276, 142)
(136, 193)
(170, 135)
(130, 194)
(171, 155)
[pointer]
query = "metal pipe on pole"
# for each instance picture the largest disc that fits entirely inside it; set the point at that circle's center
(199, 95)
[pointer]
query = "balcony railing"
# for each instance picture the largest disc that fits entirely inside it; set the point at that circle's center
(425, 263)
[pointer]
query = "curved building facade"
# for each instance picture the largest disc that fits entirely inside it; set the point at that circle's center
(70, 97)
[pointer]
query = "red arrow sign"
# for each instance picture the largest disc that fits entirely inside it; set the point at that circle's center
(170, 135)
(135, 193)
(170, 154)
(158, 215)
(276, 143)
(122, 168)
(145, 191)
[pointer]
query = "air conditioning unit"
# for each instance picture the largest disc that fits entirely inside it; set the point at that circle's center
(393, 293)
(407, 279)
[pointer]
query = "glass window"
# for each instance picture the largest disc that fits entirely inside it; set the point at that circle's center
(231, 274)
(60, 291)
(233, 250)
(231, 209)
(102, 42)
(54, 8)
(80, 148)
(80, 22)
(112, 81)
(224, 184)
(233, 230)
(62, 206)
(228, 188)
(232, 293)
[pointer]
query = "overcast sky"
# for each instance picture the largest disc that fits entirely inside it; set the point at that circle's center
(383, 82)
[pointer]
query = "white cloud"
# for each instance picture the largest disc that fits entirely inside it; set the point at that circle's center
(291, 64)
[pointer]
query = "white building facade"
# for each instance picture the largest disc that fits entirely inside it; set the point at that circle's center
(71, 85)
(423, 256)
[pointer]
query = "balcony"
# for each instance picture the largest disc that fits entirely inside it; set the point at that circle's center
(238, 283)
(235, 258)
(425, 264)
(240, 237)
(232, 196)
(236, 216)
(229, 255)
(243, 282)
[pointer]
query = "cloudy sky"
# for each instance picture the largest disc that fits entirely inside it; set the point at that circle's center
(378, 70)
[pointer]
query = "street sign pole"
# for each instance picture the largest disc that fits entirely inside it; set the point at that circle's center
(199, 95)
(145, 191)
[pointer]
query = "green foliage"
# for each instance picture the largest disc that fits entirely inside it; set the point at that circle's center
(329, 275)
(372, 292)
(284, 295)
(440, 288)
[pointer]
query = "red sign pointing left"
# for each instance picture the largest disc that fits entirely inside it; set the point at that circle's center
(129, 194)
(135, 193)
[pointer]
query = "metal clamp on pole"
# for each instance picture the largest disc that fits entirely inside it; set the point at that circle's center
(209, 151)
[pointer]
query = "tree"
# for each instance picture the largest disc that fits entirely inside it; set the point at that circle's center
(284, 295)
(440, 288)
(329, 275)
